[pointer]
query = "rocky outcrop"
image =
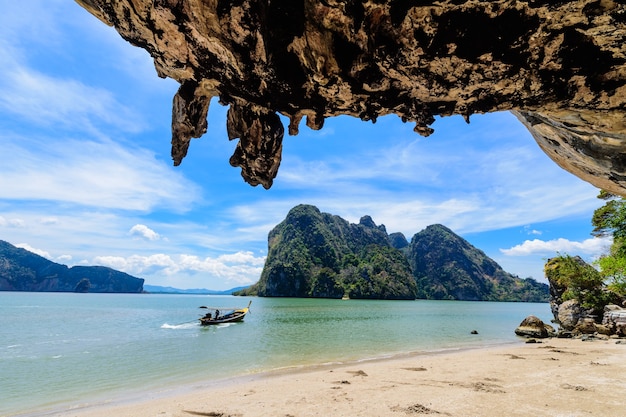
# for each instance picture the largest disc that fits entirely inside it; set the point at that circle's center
(560, 66)
(534, 327)
(576, 290)
(615, 319)
(569, 314)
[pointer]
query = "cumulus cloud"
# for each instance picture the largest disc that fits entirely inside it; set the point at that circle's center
(144, 232)
(240, 268)
(593, 247)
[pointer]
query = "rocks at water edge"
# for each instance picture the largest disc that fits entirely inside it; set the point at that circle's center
(534, 327)
(569, 314)
(615, 319)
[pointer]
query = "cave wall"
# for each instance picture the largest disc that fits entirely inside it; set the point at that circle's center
(559, 65)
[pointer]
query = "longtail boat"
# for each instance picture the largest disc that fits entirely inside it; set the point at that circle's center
(216, 316)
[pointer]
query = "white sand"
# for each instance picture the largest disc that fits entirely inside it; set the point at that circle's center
(555, 378)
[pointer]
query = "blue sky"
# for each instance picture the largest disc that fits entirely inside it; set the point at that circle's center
(86, 176)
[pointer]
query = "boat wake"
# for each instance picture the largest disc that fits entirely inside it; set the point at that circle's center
(179, 326)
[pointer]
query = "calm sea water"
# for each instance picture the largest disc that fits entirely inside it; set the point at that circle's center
(59, 350)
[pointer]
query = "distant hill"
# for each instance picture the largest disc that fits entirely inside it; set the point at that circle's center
(155, 289)
(448, 267)
(21, 270)
(314, 254)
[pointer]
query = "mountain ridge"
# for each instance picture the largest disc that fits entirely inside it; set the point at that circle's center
(22, 270)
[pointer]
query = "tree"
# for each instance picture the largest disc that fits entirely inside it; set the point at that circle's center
(610, 220)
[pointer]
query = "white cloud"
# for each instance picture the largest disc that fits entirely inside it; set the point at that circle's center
(33, 250)
(593, 247)
(530, 231)
(16, 223)
(143, 231)
(103, 174)
(64, 259)
(486, 176)
(60, 102)
(48, 221)
(241, 268)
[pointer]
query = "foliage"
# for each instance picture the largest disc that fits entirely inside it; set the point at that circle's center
(610, 220)
(573, 278)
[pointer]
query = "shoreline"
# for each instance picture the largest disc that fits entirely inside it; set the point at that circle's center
(115, 398)
(557, 377)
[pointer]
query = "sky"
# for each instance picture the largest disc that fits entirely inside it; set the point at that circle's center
(86, 176)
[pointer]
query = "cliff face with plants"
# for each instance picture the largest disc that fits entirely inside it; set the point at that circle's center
(559, 65)
(314, 254)
(446, 266)
(21, 270)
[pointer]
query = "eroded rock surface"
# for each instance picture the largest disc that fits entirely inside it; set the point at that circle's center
(560, 65)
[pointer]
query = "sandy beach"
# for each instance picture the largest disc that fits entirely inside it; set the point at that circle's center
(557, 377)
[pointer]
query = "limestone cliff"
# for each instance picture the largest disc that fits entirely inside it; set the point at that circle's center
(315, 254)
(559, 65)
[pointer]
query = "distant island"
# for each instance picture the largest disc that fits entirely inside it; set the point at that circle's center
(156, 289)
(21, 270)
(315, 254)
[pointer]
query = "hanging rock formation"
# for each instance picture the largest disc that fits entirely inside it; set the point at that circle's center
(559, 65)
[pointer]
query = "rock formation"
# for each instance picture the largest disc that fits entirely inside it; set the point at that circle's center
(315, 254)
(533, 326)
(614, 319)
(559, 65)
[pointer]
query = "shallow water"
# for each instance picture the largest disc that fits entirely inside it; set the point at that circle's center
(63, 348)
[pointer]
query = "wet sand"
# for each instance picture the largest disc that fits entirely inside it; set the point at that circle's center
(557, 377)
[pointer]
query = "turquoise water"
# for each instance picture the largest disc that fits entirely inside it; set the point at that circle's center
(60, 349)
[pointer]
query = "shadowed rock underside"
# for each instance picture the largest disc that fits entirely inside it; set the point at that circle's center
(559, 65)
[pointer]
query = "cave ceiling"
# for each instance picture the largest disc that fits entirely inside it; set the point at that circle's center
(559, 66)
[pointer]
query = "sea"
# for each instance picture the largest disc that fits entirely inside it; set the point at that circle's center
(65, 350)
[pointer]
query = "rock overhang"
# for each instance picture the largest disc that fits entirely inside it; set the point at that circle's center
(559, 66)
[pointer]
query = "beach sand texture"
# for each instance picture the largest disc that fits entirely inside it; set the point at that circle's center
(557, 377)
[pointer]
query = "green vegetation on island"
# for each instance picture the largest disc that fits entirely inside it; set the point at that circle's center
(448, 267)
(315, 254)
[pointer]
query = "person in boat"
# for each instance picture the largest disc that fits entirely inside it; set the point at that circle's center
(217, 314)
